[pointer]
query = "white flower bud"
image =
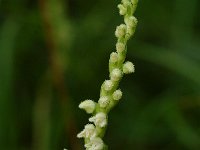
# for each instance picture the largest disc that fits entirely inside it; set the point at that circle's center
(122, 9)
(116, 74)
(113, 57)
(88, 132)
(117, 95)
(130, 31)
(103, 101)
(131, 21)
(126, 3)
(81, 134)
(120, 47)
(120, 31)
(95, 143)
(108, 85)
(128, 67)
(88, 106)
(99, 119)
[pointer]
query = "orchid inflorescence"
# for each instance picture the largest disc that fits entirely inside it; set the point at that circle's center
(110, 94)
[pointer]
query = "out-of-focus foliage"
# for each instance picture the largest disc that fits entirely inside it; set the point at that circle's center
(54, 54)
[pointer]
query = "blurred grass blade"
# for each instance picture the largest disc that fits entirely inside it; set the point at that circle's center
(185, 134)
(171, 60)
(7, 120)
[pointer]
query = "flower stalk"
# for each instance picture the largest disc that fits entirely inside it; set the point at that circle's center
(109, 93)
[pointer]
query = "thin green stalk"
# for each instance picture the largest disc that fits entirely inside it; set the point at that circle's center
(110, 94)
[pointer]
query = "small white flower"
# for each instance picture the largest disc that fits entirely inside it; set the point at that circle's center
(113, 57)
(120, 47)
(120, 31)
(128, 67)
(99, 119)
(131, 21)
(81, 134)
(130, 31)
(95, 143)
(122, 9)
(108, 85)
(126, 3)
(88, 132)
(88, 106)
(103, 101)
(116, 74)
(117, 95)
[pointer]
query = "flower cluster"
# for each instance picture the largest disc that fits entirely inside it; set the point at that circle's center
(110, 95)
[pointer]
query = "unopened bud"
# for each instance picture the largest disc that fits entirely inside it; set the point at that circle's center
(120, 47)
(88, 106)
(116, 74)
(120, 31)
(128, 67)
(117, 95)
(103, 101)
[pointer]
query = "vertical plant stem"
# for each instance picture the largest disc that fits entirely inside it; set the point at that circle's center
(109, 93)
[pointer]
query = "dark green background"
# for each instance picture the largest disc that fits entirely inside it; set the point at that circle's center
(54, 54)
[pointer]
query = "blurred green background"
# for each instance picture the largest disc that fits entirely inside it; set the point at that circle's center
(54, 54)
